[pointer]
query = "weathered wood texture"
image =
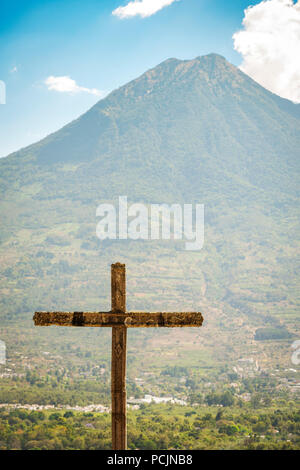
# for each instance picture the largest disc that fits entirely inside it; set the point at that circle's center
(118, 359)
(118, 287)
(111, 319)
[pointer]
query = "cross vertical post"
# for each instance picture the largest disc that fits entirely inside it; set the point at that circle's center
(118, 359)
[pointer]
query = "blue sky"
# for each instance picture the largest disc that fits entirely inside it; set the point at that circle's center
(99, 51)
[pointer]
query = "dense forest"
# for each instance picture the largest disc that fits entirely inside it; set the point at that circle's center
(155, 427)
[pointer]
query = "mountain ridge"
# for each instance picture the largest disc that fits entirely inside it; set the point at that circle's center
(210, 60)
(195, 131)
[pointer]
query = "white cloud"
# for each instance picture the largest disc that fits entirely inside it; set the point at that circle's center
(68, 85)
(141, 8)
(270, 46)
(14, 69)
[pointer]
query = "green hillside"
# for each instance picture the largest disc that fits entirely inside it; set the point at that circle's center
(197, 131)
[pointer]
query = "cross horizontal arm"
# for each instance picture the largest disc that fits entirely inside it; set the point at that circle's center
(128, 319)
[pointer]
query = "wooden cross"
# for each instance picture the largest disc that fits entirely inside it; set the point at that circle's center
(119, 320)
